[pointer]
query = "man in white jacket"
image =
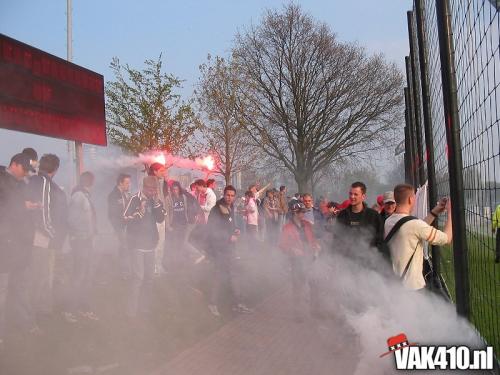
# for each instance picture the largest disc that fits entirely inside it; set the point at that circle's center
(206, 197)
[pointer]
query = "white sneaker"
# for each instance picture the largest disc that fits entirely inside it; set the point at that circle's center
(242, 309)
(69, 317)
(214, 310)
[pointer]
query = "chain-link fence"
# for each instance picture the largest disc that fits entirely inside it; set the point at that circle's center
(453, 116)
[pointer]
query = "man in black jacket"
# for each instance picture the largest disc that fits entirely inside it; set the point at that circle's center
(360, 219)
(16, 240)
(222, 238)
(143, 212)
(50, 231)
(117, 202)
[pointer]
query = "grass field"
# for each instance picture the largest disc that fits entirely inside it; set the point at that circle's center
(484, 281)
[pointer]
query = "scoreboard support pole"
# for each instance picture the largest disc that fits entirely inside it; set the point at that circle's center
(78, 159)
(78, 146)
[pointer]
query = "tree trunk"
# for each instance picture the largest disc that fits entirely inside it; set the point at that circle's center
(303, 182)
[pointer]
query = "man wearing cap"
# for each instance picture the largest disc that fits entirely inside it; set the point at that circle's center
(16, 239)
(33, 156)
(299, 243)
(389, 205)
(142, 214)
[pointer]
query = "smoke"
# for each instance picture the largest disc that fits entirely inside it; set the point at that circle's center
(360, 290)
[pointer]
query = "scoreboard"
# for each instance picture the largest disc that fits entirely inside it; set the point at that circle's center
(46, 95)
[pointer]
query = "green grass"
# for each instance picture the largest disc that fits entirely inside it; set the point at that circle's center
(484, 282)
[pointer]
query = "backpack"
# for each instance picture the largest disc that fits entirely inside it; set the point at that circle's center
(391, 234)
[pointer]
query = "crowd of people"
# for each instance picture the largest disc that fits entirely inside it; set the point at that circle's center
(164, 228)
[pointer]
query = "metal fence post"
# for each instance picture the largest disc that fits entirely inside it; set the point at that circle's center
(411, 117)
(409, 139)
(451, 115)
(416, 102)
(427, 117)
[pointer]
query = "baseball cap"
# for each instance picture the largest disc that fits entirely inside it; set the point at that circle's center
(155, 167)
(389, 197)
(297, 207)
(23, 160)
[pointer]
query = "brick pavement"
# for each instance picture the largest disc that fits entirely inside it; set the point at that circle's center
(269, 342)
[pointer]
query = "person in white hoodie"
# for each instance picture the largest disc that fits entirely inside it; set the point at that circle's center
(206, 197)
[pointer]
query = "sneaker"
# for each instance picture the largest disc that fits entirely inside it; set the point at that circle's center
(214, 310)
(69, 317)
(89, 315)
(35, 331)
(242, 309)
(159, 270)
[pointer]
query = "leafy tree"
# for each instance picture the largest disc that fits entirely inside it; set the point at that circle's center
(143, 111)
(309, 100)
(222, 130)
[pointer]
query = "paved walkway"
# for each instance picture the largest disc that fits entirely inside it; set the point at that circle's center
(269, 342)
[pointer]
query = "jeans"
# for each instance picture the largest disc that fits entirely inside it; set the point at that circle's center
(143, 264)
(300, 274)
(224, 277)
(178, 249)
(160, 247)
(123, 254)
(41, 275)
(282, 221)
(82, 275)
(19, 314)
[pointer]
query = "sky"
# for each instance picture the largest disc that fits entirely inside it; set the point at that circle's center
(184, 32)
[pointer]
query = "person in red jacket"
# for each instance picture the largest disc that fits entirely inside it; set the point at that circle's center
(299, 243)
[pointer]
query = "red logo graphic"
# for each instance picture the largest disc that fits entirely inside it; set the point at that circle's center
(397, 342)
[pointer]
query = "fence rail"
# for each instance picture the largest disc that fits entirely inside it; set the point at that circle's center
(452, 141)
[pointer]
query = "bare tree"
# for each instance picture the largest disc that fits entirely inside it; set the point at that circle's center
(309, 100)
(222, 130)
(144, 113)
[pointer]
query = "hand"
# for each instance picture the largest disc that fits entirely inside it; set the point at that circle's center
(33, 205)
(237, 232)
(440, 206)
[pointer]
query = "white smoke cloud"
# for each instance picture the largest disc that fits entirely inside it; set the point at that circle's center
(359, 290)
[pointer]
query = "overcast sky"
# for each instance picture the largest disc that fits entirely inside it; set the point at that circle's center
(183, 31)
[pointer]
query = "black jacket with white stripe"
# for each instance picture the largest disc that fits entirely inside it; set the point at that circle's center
(141, 215)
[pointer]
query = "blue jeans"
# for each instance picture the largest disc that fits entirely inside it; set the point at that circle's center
(82, 275)
(143, 266)
(19, 315)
